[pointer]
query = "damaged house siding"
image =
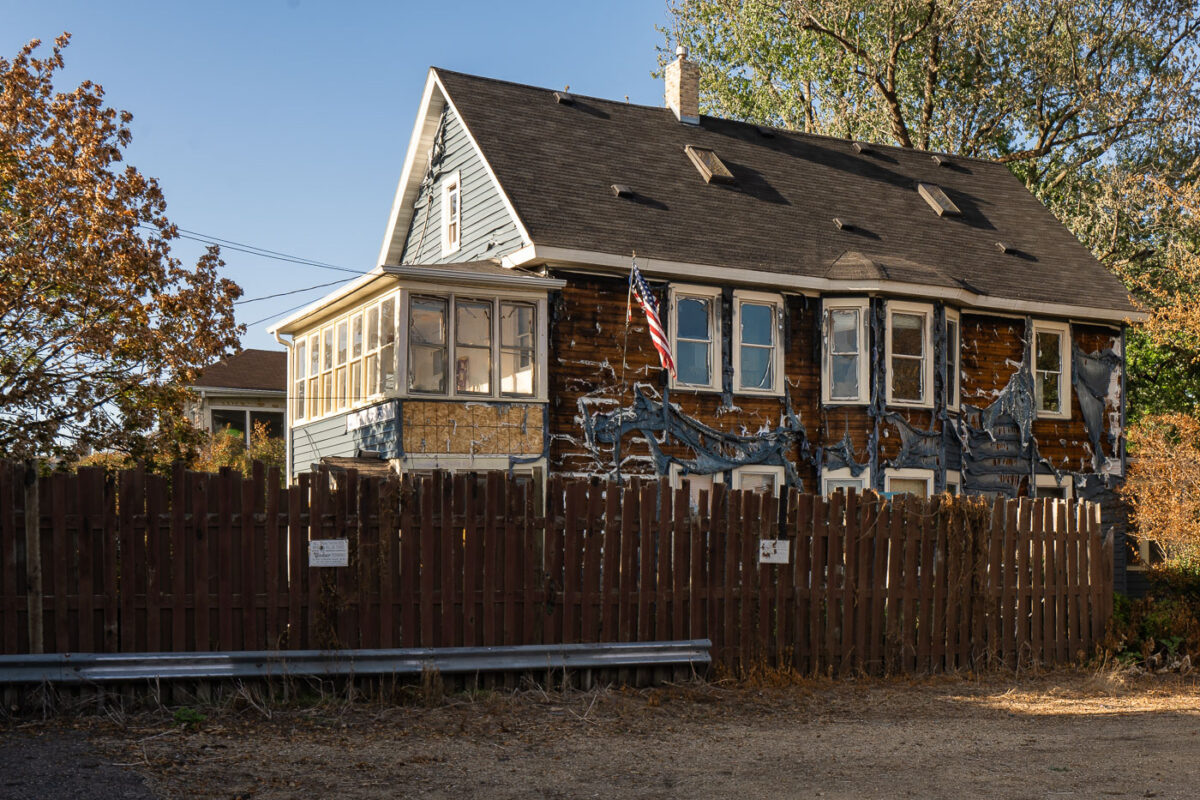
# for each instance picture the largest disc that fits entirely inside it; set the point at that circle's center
(488, 230)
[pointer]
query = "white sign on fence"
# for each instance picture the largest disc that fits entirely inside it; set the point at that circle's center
(774, 551)
(329, 553)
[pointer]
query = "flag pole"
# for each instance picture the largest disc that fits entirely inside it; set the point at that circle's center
(628, 318)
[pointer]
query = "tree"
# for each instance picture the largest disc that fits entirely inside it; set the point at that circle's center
(99, 325)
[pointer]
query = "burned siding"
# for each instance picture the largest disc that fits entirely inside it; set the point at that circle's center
(617, 417)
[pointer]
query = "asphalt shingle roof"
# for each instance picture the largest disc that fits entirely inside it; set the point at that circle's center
(249, 369)
(557, 163)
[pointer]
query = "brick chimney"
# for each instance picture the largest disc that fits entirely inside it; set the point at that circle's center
(683, 88)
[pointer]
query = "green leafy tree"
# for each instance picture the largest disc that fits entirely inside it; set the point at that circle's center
(100, 327)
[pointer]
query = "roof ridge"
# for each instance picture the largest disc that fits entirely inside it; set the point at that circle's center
(731, 120)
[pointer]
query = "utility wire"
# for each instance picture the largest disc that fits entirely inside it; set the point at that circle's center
(253, 250)
(276, 314)
(285, 294)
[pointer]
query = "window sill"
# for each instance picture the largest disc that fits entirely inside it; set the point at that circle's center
(832, 403)
(915, 406)
(758, 392)
(1047, 415)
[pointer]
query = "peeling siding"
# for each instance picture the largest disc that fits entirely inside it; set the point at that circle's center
(488, 229)
(328, 437)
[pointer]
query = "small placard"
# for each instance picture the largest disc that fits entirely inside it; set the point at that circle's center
(774, 551)
(329, 553)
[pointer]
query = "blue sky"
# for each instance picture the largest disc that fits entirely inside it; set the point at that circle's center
(282, 124)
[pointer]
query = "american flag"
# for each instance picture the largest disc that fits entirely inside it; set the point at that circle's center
(645, 298)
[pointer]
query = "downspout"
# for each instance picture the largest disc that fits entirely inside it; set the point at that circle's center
(287, 410)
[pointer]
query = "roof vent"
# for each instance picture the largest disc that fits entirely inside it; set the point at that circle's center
(937, 199)
(564, 97)
(709, 165)
(1004, 248)
(942, 161)
(621, 190)
(863, 148)
(842, 224)
(765, 132)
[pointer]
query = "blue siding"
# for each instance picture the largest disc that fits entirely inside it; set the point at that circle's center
(328, 437)
(488, 230)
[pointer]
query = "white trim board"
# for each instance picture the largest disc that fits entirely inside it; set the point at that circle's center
(566, 258)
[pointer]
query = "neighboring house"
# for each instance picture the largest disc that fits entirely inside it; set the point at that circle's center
(240, 391)
(843, 314)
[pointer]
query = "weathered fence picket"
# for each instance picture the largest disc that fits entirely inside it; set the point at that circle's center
(192, 562)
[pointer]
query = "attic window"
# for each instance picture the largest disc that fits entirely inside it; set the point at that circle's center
(621, 190)
(937, 199)
(709, 164)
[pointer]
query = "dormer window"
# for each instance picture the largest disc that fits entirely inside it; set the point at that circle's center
(451, 214)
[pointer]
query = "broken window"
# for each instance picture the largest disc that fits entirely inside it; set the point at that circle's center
(1052, 487)
(908, 346)
(1051, 368)
(695, 328)
(473, 347)
(845, 361)
(427, 345)
(757, 354)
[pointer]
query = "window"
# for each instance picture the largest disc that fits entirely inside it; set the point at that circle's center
(314, 375)
(427, 345)
(356, 366)
(696, 337)
(909, 367)
(757, 478)
(954, 483)
(326, 370)
(1051, 486)
(518, 349)
(953, 349)
(340, 394)
(917, 482)
(1052, 369)
(696, 483)
(241, 422)
(844, 378)
(451, 214)
(757, 351)
(300, 364)
(842, 480)
(473, 342)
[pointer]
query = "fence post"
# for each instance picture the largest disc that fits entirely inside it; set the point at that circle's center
(33, 558)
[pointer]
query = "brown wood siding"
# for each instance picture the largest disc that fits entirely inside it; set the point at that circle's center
(588, 333)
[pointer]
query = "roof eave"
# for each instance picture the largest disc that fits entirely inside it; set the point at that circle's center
(804, 284)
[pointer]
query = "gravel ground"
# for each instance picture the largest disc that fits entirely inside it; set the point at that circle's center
(1065, 735)
(56, 763)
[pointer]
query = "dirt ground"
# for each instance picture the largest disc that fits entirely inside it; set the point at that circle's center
(1065, 735)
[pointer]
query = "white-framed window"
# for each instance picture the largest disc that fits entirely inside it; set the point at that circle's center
(696, 483)
(843, 479)
(953, 355)
(954, 482)
(1050, 355)
(451, 214)
(240, 421)
(696, 337)
(909, 354)
(1053, 487)
(917, 482)
(845, 367)
(758, 478)
(492, 344)
(757, 343)
(348, 361)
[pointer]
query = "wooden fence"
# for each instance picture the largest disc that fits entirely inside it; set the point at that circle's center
(197, 562)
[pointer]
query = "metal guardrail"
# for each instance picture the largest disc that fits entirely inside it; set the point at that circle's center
(76, 668)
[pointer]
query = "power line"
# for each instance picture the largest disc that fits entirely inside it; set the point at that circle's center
(253, 250)
(277, 314)
(285, 294)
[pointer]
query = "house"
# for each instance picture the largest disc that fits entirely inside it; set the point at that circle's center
(241, 391)
(843, 314)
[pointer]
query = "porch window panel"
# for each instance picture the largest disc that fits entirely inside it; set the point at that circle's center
(427, 345)
(518, 343)
(473, 347)
(387, 338)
